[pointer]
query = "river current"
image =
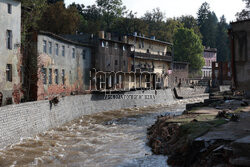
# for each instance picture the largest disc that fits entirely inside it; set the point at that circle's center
(107, 139)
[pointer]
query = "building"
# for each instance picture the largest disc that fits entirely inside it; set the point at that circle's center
(153, 57)
(10, 55)
(180, 74)
(221, 73)
(59, 67)
(240, 52)
(111, 60)
(210, 56)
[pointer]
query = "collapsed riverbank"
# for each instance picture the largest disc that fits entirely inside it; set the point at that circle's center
(211, 133)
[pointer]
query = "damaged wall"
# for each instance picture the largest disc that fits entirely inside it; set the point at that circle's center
(240, 36)
(62, 67)
(10, 55)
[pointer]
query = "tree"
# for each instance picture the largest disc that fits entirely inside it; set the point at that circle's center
(245, 13)
(110, 10)
(188, 48)
(155, 16)
(31, 15)
(207, 22)
(54, 1)
(191, 23)
(222, 41)
(60, 20)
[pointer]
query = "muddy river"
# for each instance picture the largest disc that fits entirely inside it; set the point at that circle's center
(113, 138)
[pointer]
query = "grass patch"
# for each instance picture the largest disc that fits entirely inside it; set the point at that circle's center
(238, 110)
(193, 130)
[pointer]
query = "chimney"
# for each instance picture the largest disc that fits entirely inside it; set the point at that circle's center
(101, 34)
(135, 33)
(153, 37)
(109, 36)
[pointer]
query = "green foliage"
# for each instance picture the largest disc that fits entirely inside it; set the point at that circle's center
(31, 14)
(63, 21)
(222, 41)
(191, 23)
(110, 10)
(245, 13)
(188, 47)
(207, 22)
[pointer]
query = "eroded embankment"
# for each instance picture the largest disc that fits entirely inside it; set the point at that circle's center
(186, 142)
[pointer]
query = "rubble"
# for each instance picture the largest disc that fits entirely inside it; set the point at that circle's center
(213, 133)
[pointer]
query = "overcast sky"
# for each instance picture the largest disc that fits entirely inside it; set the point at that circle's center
(175, 8)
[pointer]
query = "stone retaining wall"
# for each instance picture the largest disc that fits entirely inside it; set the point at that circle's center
(28, 119)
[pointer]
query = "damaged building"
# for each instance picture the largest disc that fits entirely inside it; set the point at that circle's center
(151, 56)
(210, 56)
(240, 52)
(10, 52)
(59, 67)
(111, 60)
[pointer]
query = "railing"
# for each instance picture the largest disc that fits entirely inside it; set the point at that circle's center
(149, 56)
(142, 68)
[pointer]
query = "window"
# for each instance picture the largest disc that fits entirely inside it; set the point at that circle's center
(50, 47)
(63, 76)
(9, 72)
(147, 50)
(102, 44)
(9, 8)
(63, 51)
(70, 77)
(50, 76)
(115, 45)
(116, 62)
(124, 63)
(22, 75)
(107, 44)
(83, 54)
(57, 49)
(123, 48)
(44, 46)
(73, 53)
(9, 39)
(44, 73)
(56, 76)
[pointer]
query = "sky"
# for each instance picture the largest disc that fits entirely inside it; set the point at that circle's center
(176, 8)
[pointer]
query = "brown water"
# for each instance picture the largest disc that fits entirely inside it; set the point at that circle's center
(114, 138)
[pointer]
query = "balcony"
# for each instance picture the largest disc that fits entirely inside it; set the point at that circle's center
(142, 68)
(150, 56)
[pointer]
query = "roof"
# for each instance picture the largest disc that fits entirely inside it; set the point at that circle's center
(63, 39)
(155, 40)
(114, 41)
(180, 62)
(210, 50)
(240, 21)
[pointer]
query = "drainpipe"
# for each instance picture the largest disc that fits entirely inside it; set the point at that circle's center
(231, 35)
(172, 65)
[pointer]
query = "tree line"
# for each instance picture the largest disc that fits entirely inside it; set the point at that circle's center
(190, 35)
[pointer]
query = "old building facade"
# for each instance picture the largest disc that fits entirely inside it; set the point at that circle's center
(179, 76)
(10, 55)
(210, 56)
(152, 56)
(240, 52)
(62, 67)
(111, 61)
(221, 73)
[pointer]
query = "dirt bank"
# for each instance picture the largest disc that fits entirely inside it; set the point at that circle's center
(204, 136)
